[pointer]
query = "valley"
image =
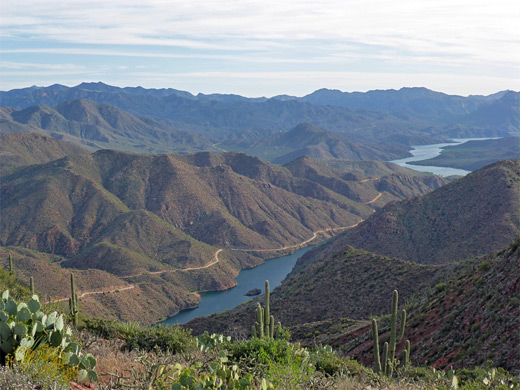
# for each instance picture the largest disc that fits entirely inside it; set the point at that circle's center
(114, 212)
(161, 202)
(259, 195)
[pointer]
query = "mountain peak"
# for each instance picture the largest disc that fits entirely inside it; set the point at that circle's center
(99, 87)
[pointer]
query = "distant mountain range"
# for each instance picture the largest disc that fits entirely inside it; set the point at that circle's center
(406, 117)
(311, 141)
(98, 126)
(144, 217)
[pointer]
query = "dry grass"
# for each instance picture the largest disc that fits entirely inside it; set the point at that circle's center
(357, 383)
(112, 360)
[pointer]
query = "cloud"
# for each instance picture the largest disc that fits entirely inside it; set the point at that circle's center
(398, 39)
(433, 26)
(32, 66)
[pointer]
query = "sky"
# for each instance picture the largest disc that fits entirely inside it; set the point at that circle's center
(263, 48)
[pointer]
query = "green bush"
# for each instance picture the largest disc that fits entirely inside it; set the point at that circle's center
(325, 360)
(170, 338)
(484, 266)
(102, 327)
(264, 351)
(9, 281)
(295, 374)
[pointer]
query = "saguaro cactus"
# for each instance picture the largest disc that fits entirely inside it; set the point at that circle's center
(264, 325)
(11, 269)
(386, 366)
(31, 284)
(375, 337)
(407, 353)
(73, 302)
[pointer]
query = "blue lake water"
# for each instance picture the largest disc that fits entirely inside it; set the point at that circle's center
(274, 270)
(424, 152)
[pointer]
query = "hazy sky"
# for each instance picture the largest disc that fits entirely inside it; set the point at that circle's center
(263, 48)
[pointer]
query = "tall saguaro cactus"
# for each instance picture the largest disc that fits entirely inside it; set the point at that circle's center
(11, 269)
(375, 337)
(73, 301)
(31, 284)
(264, 325)
(386, 366)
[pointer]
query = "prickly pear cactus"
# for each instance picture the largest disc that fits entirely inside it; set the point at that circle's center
(24, 326)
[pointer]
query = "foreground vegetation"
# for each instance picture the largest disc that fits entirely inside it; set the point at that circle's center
(128, 355)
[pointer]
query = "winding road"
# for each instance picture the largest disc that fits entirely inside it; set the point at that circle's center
(113, 289)
(314, 235)
(373, 200)
(216, 260)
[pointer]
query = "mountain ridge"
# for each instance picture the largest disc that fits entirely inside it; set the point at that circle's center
(149, 217)
(218, 117)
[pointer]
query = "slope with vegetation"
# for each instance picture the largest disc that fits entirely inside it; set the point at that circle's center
(462, 311)
(469, 319)
(158, 222)
(114, 355)
(348, 284)
(20, 149)
(100, 126)
(471, 216)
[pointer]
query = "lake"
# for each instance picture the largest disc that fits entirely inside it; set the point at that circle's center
(424, 152)
(274, 270)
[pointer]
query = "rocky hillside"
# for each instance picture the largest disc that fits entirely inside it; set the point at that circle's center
(100, 126)
(460, 315)
(348, 284)
(471, 216)
(468, 320)
(368, 177)
(311, 141)
(20, 149)
(162, 219)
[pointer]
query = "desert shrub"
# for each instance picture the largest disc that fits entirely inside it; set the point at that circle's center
(46, 368)
(282, 333)
(292, 374)
(9, 281)
(167, 338)
(213, 341)
(110, 329)
(102, 327)
(484, 266)
(469, 379)
(263, 351)
(325, 360)
(127, 330)
(162, 370)
(485, 378)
